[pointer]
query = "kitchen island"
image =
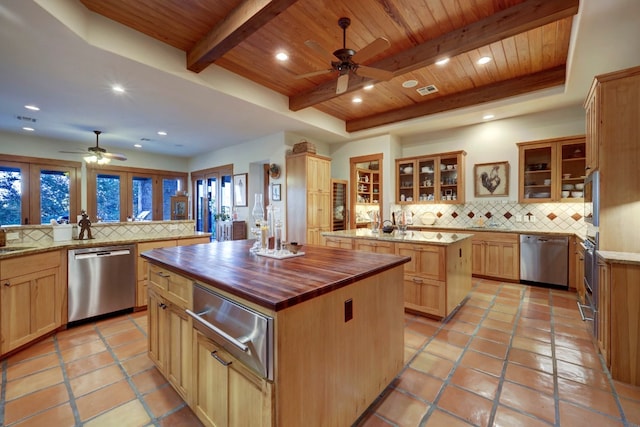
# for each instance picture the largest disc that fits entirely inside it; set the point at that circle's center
(438, 277)
(338, 332)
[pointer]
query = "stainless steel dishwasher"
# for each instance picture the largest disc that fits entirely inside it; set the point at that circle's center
(544, 259)
(101, 281)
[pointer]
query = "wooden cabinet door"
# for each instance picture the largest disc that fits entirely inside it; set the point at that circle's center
(579, 273)
(29, 306)
(592, 129)
(210, 382)
(509, 261)
(603, 312)
(250, 398)
(157, 325)
(477, 257)
(179, 348)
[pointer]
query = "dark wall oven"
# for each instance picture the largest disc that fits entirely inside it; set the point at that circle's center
(589, 310)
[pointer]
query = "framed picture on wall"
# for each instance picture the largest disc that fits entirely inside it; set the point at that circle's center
(275, 192)
(491, 179)
(240, 189)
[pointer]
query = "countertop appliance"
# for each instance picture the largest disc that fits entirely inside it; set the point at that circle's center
(243, 332)
(101, 280)
(544, 259)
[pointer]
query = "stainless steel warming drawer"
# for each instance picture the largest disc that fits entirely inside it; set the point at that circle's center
(243, 332)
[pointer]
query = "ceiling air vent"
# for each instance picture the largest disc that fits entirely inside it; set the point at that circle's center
(26, 119)
(426, 90)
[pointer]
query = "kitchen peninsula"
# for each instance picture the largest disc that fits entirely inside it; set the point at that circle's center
(438, 277)
(337, 332)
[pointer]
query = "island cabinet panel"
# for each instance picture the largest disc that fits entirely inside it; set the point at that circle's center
(225, 392)
(438, 278)
(331, 367)
(338, 242)
(169, 334)
(374, 246)
(31, 299)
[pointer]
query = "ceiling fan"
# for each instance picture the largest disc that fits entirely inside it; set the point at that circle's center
(349, 60)
(98, 154)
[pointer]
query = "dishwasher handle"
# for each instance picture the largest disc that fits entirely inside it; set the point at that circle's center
(102, 254)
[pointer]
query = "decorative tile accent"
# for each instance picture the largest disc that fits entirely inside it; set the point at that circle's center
(454, 214)
(508, 215)
(470, 215)
(488, 215)
(552, 216)
(576, 216)
(439, 214)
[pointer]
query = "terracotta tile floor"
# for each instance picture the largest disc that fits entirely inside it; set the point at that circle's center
(513, 356)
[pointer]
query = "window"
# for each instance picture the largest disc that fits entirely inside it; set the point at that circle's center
(115, 194)
(35, 191)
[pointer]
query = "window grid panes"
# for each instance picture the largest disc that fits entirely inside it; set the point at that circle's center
(142, 201)
(55, 189)
(108, 197)
(10, 196)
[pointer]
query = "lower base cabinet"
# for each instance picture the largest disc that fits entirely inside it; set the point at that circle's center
(225, 392)
(496, 255)
(31, 298)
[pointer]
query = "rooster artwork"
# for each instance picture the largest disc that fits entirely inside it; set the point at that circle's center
(491, 180)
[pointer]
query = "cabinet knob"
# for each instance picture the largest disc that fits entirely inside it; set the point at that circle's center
(7, 284)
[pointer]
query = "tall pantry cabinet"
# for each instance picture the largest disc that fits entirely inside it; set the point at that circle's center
(308, 198)
(613, 147)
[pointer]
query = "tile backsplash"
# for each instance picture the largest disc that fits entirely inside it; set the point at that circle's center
(554, 217)
(43, 234)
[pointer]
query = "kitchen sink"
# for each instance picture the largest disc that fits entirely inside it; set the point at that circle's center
(5, 250)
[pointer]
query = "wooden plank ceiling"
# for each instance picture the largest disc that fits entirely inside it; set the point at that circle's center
(528, 41)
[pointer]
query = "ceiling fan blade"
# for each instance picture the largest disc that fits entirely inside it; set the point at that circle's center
(115, 156)
(374, 73)
(73, 152)
(314, 73)
(371, 50)
(326, 56)
(343, 83)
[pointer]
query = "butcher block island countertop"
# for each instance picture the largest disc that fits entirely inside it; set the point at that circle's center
(338, 323)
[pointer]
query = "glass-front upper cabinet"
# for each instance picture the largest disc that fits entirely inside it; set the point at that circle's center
(435, 179)
(552, 170)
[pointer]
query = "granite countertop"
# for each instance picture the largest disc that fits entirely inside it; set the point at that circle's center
(631, 258)
(411, 236)
(272, 283)
(20, 249)
(497, 229)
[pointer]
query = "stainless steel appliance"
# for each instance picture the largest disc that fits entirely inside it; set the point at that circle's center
(590, 282)
(243, 332)
(592, 198)
(544, 259)
(101, 281)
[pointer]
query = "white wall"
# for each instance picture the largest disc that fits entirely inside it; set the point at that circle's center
(495, 141)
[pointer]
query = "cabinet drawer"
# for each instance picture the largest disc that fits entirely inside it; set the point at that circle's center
(29, 264)
(173, 287)
(425, 295)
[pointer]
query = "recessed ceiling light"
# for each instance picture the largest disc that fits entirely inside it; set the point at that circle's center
(356, 100)
(368, 87)
(484, 60)
(29, 129)
(488, 116)
(282, 56)
(442, 61)
(117, 89)
(161, 132)
(32, 107)
(137, 145)
(410, 83)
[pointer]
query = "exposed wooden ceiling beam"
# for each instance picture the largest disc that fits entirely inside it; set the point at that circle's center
(507, 23)
(505, 89)
(245, 19)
